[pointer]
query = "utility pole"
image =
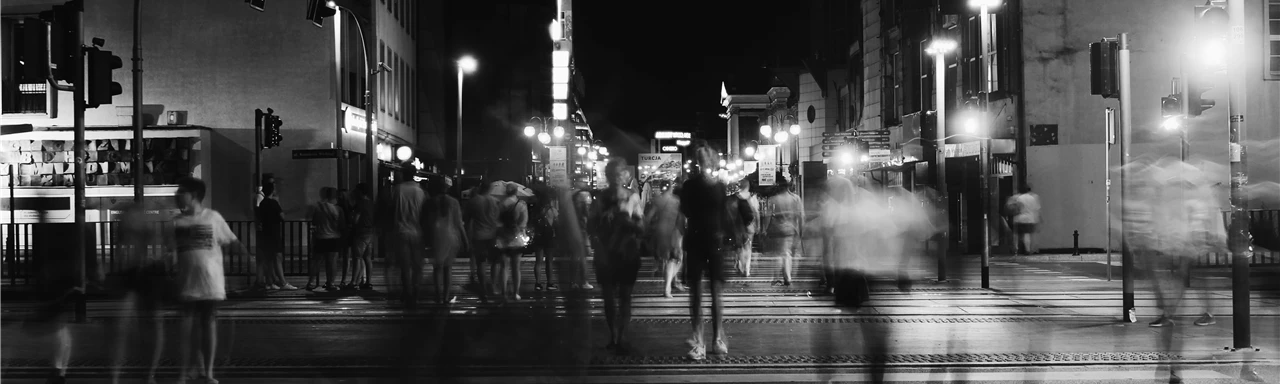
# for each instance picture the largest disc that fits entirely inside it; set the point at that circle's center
(1126, 138)
(1238, 237)
(78, 81)
(984, 152)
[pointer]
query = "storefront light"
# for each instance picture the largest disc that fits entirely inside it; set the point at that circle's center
(404, 153)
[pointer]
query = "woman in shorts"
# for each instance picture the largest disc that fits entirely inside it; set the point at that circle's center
(327, 222)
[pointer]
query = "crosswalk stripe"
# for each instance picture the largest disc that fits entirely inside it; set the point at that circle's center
(945, 377)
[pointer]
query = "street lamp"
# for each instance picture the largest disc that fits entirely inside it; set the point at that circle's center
(558, 132)
(529, 131)
(939, 49)
(750, 151)
(466, 64)
(780, 137)
(766, 130)
(984, 9)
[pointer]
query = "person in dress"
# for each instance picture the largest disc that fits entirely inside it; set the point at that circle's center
(666, 233)
(511, 240)
(270, 219)
(618, 220)
(362, 236)
(447, 236)
(199, 234)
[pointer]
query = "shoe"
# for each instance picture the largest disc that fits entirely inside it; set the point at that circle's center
(1206, 319)
(668, 295)
(330, 287)
(273, 287)
(516, 297)
(537, 287)
(289, 287)
(552, 287)
(366, 287)
(310, 287)
(721, 348)
(587, 286)
(698, 353)
(1161, 322)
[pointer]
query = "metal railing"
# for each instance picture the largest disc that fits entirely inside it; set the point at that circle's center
(21, 268)
(1264, 226)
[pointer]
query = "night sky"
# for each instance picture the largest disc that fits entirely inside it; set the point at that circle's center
(646, 67)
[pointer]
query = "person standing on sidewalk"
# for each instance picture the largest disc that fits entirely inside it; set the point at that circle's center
(144, 281)
(270, 219)
(783, 226)
(511, 240)
(482, 226)
(1027, 218)
(618, 219)
(199, 234)
(702, 201)
(327, 221)
(543, 243)
(363, 234)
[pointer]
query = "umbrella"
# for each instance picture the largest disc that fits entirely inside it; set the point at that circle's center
(499, 188)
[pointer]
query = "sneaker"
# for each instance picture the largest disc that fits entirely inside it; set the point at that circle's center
(1206, 319)
(587, 286)
(1161, 322)
(273, 287)
(516, 297)
(552, 287)
(537, 287)
(289, 287)
(366, 287)
(721, 348)
(698, 353)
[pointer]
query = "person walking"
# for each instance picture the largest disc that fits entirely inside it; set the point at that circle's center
(783, 223)
(751, 216)
(482, 225)
(447, 236)
(543, 243)
(406, 238)
(328, 225)
(702, 201)
(511, 241)
(144, 284)
(666, 227)
(618, 220)
(199, 234)
(1027, 218)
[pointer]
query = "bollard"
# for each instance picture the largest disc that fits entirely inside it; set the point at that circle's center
(1075, 244)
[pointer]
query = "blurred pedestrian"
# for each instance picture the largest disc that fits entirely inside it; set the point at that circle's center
(702, 202)
(749, 210)
(199, 234)
(406, 238)
(363, 235)
(447, 236)
(60, 288)
(783, 225)
(666, 227)
(618, 220)
(328, 224)
(511, 241)
(482, 228)
(582, 200)
(1027, 218)
(144, 281)
(543, 242)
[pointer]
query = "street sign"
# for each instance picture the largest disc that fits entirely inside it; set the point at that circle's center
(305, 154)
(879, 146)
(839, 134)
(831, 147)
(557, 166)
(875, 139)
(835, 141)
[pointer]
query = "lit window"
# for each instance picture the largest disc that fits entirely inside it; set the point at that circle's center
(1273, 40)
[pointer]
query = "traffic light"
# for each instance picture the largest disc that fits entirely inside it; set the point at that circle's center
(1210, 34)
(258, 118)
(260, 5)
(63, 42)
(273, 132)
(35, 50)
(317, 10)
(101, 88)
(1103, 74)
(1196, 103)
(1170, 106)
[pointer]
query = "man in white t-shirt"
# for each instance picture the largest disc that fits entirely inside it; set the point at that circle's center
(1027, 218)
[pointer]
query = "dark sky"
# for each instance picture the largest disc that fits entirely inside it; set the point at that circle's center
(646, 67)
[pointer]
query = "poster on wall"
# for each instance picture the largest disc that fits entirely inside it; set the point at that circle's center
(659, 166)
(558, 167)
(601, 181)
(768, 164)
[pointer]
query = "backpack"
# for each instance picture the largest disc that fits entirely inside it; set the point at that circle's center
(508, 215)
(745, 211)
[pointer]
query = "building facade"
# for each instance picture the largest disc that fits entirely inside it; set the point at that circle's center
(212, 65)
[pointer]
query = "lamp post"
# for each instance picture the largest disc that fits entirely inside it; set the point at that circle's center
(542, 136)
(984, 9)
(466, 64)
(371, 156)
(939, 49)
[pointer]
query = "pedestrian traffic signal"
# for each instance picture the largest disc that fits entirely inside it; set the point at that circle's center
(273, 132)
(34, 57)
(1170, 106)
(317, 10)
(101, 88)
(1103, 76)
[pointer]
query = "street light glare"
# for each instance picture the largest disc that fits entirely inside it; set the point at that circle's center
(795, 129)
(558, 131)
(544, 138)
(467, 64)
(1172, 123)
(984, 3)
(766, 130)
(750, 152)
(846, 158)
(971, 126)
(780, 137)
(941, 47)
(557, 33)
(529, 131)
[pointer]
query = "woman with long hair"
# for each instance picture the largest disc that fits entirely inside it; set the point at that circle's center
(514, 218)
(543, 243)
(447, 236)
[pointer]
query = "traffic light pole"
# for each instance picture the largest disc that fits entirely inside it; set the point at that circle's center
(78, 80)
(1126, 138)
(940, 84)
(1238, 237)
(138, 184)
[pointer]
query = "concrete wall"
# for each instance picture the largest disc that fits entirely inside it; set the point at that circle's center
(1056, 69)
(219, 61)
(811, 133)
(873, 67)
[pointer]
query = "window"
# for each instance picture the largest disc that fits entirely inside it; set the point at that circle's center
(413, 98)
(382, 77)
(22, 94)
(397, 73)
(973, 54)
(1272, 68)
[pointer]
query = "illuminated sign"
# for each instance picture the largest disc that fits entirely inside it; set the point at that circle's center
(661, 135)
(670, 148)
(683, 143)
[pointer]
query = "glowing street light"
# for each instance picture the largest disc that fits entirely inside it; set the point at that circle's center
(1172, 123)
(467, 64)
(795, 130)
(750, 151)
(766, 130)
(544, 138)
(780, 137)
(971, 126)
(529, 131)
(558, 131)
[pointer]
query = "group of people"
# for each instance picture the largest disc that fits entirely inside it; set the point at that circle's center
(342, 228)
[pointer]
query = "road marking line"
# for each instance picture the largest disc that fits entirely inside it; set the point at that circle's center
(1056, 375)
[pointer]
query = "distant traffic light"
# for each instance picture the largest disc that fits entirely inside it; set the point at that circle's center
(317, 10)
(274, 137)
(63, 43)
(1170, 106)
(1210, 34)
(101, 88)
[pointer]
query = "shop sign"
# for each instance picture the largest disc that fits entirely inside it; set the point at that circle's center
(768, 165)
(558, 166)
(659, 166)
(664, 135)
(354, 119)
